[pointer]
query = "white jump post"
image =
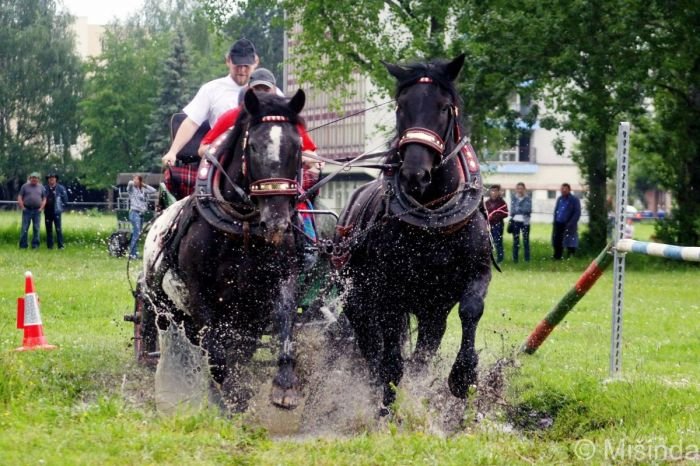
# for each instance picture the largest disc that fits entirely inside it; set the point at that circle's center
(622, 184)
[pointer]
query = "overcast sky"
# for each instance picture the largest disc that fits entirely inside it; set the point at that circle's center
(101, 12)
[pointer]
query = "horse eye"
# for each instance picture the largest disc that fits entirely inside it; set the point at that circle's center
(445, 108)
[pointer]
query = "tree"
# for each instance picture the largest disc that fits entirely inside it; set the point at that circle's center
(117, 105)
(260, 21)
(40, 85)
(587, 61)
(173, 95)
(673, 48)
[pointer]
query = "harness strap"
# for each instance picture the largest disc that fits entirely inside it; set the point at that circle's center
(211, 159)
(327, 179)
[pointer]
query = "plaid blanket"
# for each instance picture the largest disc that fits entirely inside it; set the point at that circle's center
(180, 181)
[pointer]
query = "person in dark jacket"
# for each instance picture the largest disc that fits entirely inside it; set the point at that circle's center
(521, 209)
(497, 210)
(56, 200)
(567, 212)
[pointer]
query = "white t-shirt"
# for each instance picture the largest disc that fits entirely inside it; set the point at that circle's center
(213, 99)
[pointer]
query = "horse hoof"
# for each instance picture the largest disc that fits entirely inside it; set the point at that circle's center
(285, 398)
(461, 385)
(383, 411)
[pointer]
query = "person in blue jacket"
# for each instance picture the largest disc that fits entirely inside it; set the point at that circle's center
(56, 201)
(567, 212)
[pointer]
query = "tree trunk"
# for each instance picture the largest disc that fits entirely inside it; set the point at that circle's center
(687, 210)
(595, 162)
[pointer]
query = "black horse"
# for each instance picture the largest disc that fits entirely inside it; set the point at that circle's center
(225, 260)
(416, 240)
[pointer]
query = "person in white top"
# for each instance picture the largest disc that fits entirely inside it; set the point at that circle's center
(217, 96)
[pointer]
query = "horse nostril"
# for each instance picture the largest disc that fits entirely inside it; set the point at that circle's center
(426, 178)
(263, 226)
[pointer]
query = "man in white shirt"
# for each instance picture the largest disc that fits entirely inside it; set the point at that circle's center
(217, 96)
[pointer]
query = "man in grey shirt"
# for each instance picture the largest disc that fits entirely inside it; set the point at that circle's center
(31, 200)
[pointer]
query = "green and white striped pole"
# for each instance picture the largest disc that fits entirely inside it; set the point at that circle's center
(584, 283)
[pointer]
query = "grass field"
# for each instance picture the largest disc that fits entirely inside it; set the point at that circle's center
(87, 402)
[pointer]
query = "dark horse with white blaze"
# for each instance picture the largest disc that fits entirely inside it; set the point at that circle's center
(416, 241)
(225, 260)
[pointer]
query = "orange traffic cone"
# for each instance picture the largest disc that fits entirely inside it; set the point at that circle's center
(29, 319)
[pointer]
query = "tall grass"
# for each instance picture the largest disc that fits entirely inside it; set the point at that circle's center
(87, 402)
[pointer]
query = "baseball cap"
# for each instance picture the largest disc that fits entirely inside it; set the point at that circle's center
(262, 77)
(242, 52)
(34, 175)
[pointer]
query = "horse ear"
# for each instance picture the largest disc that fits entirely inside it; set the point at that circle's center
(401, 74)
(297, 102)
(251, 101)
(452, 68)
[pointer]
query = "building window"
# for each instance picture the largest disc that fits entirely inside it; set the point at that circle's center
(551, 194)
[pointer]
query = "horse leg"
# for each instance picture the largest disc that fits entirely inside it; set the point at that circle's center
(431, 329)
(391, 370)
(238, 355)
(368, 336)
(285, 385)
(471, 308)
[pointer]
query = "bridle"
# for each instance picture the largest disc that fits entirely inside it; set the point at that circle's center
(427, 137)
(270, 186)
(432, 140)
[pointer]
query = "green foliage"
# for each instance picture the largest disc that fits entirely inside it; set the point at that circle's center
(118, 103)
(141, 78)
(585, 61)
(173, 95)
(40, 84)
(261, 21)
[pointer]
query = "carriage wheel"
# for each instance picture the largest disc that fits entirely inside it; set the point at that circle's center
(145, 331)
(118, 243)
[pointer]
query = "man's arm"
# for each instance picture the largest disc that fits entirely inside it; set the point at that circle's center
(44, 198)
(184, 134)
(20, 201)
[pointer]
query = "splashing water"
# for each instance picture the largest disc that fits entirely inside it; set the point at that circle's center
(182, 380)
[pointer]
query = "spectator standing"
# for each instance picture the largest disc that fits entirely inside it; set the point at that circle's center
(497, 210)
(138, 205)
(567, 212)
(56, 200)
(31, 200)
(521, 209)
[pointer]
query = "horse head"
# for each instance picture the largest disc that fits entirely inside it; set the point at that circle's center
(272, 159)
(426, 120)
